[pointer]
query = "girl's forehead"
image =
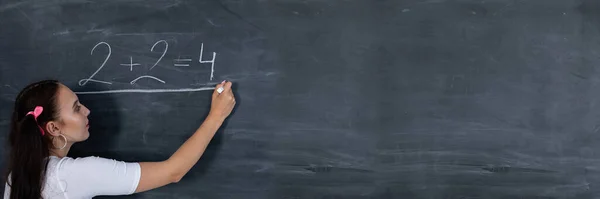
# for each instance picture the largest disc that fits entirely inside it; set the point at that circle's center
(66, 97)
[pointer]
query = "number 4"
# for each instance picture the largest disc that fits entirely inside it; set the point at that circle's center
(212, 67)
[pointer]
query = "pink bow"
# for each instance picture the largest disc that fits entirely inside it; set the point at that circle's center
(36, 112)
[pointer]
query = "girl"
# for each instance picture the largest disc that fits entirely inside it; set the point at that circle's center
(48, 119)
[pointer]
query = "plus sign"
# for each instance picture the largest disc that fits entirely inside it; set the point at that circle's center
(130, 64)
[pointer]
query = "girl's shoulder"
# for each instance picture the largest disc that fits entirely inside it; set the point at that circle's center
(77, 161)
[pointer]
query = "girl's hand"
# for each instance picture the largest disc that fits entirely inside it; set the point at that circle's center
(222, 103)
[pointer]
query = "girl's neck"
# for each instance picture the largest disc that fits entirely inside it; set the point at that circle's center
(61, 153)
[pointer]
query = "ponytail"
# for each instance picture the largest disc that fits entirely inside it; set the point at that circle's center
(29, 147)
(26, 178)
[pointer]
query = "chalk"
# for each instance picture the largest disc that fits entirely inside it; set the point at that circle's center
(220, 89)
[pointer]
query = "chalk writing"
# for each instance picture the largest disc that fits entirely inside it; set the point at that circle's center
(147, 90)
(212, 66)
(130, 64)
(146, 76)
(182, 60)
(179, 62)
(85, 81)
(163, 54)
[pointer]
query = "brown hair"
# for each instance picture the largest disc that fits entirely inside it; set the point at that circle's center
(28, 148)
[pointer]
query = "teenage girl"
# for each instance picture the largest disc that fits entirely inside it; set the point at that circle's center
(48, 119)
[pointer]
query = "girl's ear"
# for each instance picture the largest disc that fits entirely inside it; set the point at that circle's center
(53, 128)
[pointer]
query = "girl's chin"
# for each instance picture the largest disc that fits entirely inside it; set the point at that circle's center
(86, 136)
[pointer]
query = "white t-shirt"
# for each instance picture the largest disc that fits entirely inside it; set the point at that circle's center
(83, 178)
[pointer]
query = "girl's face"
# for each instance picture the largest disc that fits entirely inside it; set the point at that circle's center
(73, 115)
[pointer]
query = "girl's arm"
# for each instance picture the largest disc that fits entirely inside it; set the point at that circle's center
(157, 174)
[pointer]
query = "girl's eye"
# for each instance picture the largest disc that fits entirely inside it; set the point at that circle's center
(77, 108)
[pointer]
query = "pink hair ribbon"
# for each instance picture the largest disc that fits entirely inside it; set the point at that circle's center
(36, 112)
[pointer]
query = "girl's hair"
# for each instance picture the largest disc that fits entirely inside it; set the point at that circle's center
(29, 150)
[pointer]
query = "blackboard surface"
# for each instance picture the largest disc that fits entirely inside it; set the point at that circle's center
(336, 99)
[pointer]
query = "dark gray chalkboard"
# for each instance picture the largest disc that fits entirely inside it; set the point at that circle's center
(336, 99)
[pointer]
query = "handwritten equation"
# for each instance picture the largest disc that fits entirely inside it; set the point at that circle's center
(130, 64)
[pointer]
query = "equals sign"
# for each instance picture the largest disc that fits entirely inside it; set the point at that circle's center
(181, 60)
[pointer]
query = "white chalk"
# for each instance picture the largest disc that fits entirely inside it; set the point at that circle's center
(220, 89)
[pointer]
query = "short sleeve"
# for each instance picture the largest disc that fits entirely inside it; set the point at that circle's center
(6, 191)
(93, 176)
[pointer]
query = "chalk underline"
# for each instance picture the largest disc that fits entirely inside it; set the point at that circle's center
(180, 90)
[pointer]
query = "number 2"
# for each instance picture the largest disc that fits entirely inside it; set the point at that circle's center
(83, 82)
(163, 54)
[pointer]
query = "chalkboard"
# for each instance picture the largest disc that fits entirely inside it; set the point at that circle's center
(336, 99)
